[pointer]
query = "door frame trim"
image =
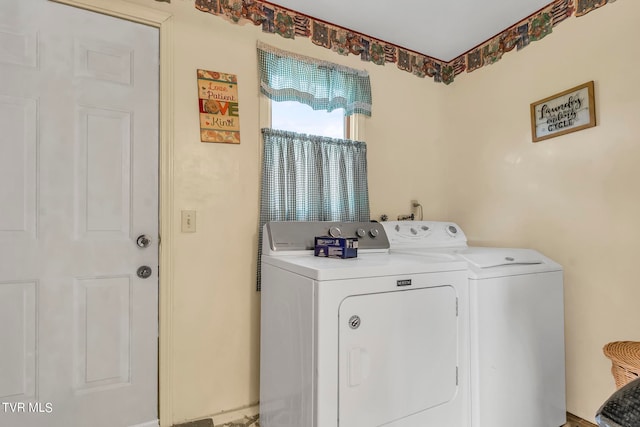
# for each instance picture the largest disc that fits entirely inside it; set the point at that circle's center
(164, 22)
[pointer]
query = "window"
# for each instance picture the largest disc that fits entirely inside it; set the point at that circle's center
(311, 171)
(277, 115)
(297, 117)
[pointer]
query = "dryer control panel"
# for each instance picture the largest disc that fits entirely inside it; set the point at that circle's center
(299, 235)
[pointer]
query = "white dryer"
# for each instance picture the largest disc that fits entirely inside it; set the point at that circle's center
(516, 325)
(369, 341)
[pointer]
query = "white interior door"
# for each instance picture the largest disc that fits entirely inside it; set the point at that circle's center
(78, 185)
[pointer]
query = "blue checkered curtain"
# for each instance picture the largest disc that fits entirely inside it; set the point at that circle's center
(312, 178)
(322, 85)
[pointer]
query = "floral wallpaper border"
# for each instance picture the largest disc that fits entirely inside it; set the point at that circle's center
(290, 24)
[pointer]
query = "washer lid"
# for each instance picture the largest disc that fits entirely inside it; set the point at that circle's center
(496, 257)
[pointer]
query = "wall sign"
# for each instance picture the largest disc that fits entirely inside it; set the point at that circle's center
(218, 103)
(568, 111)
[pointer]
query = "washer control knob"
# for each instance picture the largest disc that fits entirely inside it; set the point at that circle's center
(360, 232)
(335, 232)
(414, 231)
(452, 230)
(374, 232)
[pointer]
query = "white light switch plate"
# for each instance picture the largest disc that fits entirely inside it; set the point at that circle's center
(188, 221)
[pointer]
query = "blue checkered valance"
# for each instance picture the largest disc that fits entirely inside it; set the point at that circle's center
(322, 85)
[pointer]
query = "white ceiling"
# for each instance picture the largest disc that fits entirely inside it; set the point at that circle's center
(443, 29)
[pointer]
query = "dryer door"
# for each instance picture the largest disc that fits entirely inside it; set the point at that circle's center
(398, 354)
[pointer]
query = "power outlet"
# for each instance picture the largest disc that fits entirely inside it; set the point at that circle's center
(188, 221)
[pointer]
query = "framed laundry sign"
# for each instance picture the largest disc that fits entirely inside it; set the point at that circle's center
(568, 111)
(218, 104)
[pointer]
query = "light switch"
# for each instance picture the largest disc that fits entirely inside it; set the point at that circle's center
(188, 221)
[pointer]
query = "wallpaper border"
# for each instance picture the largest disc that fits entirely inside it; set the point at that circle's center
(290, 24)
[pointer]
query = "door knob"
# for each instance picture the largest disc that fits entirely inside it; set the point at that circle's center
(143, 241)
(144, 271)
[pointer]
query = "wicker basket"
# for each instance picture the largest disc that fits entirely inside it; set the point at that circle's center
(625, 360)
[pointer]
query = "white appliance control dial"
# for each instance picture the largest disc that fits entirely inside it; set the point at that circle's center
(335, 232)
(452, 230)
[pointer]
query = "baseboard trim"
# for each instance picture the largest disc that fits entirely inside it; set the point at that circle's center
(234, 415)
(155, 423)
(575, 421)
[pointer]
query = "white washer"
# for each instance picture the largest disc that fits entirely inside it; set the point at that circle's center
(361, 342)
(516, 325)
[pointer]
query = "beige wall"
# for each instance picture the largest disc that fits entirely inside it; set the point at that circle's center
(573, 197)
(464, 151)
(215, 312)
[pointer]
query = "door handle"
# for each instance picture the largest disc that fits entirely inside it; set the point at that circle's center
(144, 271)
(143, 241)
